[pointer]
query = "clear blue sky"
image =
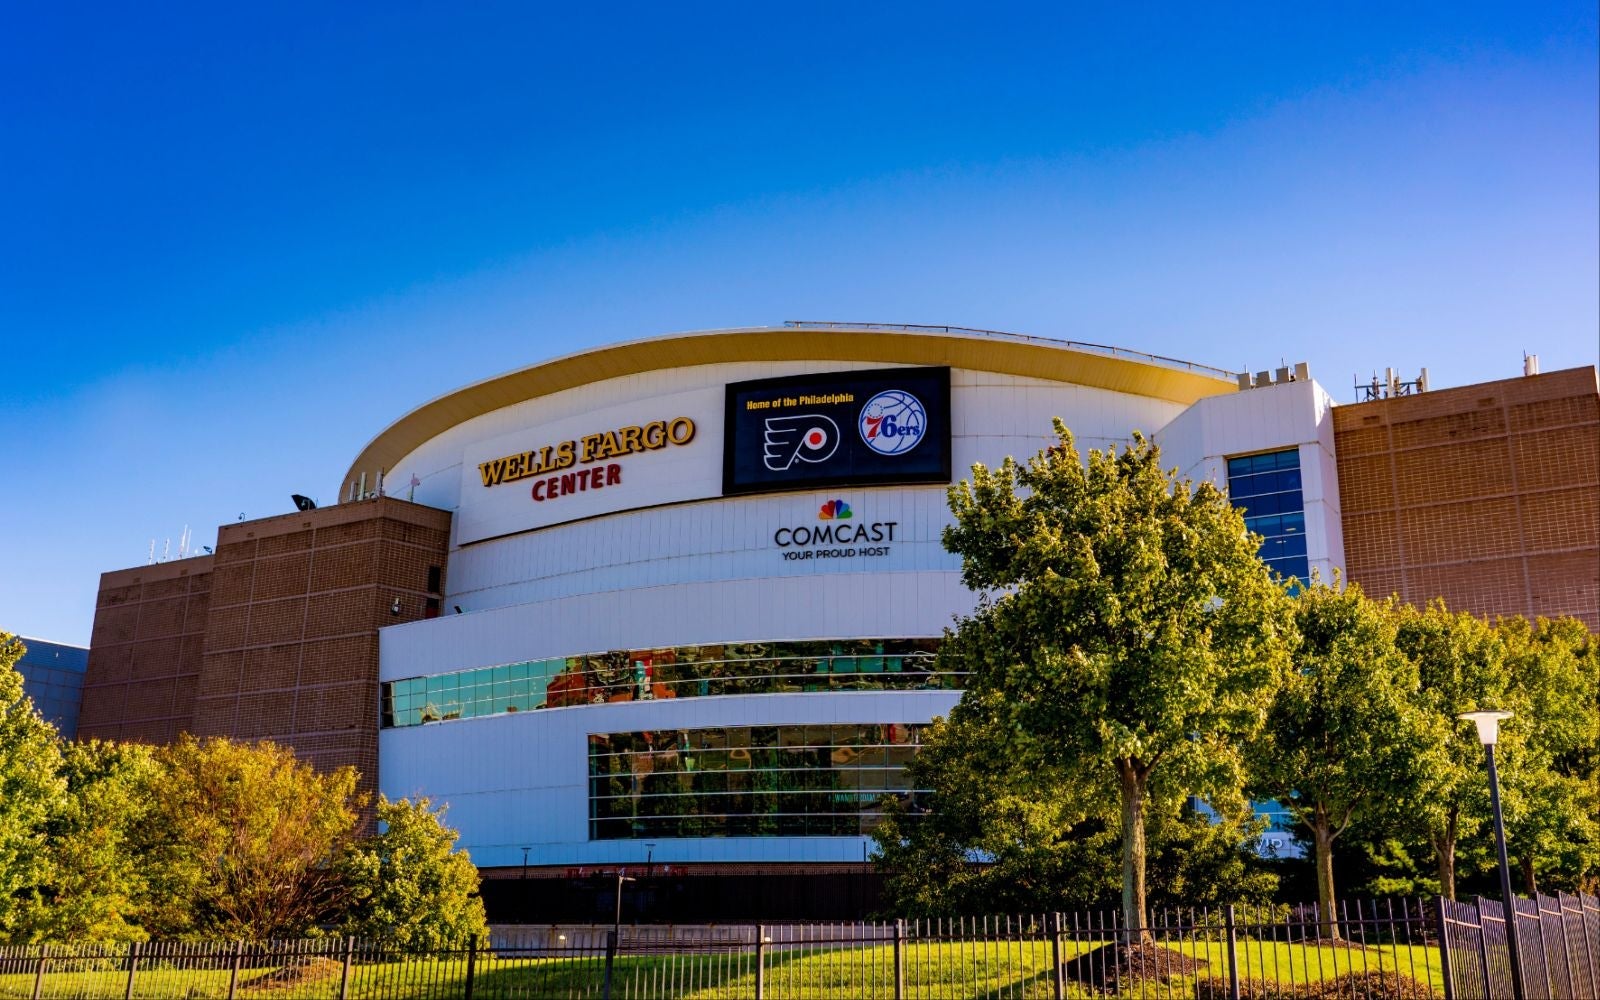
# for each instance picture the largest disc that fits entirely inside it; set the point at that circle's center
(238, 240)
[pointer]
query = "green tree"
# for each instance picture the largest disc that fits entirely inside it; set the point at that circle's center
(243, 841)
(408, 883)
(1126, 629)
(1344, 736)
(1552, 829)
(1460, 663)
(1010, 835)
(93, 885)
(30, 789)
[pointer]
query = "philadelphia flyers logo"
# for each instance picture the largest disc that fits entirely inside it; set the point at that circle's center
(810, 437)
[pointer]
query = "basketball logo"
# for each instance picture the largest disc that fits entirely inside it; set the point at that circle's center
(893, 422)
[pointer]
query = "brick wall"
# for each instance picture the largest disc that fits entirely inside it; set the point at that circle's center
(145, 651)
(276, 637)
(1486, 495)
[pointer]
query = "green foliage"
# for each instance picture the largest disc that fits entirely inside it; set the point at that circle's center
(243, 841)
(408, 883)
(1552, 810)
(1127, 635)
(30, 789)
(1045, 843)
(1344, 736)
(93, 883)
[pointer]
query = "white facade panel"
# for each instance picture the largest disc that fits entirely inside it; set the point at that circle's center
(1199, 442)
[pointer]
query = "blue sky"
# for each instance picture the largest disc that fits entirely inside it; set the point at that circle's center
(236, 243)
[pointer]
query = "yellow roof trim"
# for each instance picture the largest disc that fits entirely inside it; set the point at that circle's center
(1059, 361)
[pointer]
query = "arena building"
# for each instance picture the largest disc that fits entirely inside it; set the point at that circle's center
(670, 606)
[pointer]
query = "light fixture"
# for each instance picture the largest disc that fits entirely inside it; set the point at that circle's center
(1488, 723)
(303, 502)
(394, 608)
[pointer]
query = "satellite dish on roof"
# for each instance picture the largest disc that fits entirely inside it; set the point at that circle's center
(303, 503)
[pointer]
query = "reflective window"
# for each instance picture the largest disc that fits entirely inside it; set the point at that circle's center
(674, 672)
(1266, 489)
(755, 781)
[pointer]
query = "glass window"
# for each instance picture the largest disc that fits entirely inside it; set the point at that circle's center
(681, 672)
(1267, 489)
(743, 782)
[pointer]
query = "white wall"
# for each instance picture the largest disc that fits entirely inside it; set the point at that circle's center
(1199, 441)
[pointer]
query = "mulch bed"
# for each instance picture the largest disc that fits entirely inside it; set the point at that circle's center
(1350, 986)
(1112, 966)
(297, 972)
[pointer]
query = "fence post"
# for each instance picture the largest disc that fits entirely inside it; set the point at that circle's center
(611, 955)
(1483, 943)
(133, 967)
(344, 974)
(1058, 988)
(1444, 949)
(761, 961)
(233, 975)
(899, 960)
(38, 975)
(1232, 929)
(472, 966)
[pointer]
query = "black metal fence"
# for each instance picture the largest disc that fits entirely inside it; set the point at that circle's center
(1558, 939)
(1401, 949)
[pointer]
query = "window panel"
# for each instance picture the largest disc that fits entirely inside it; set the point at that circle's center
(689, 671)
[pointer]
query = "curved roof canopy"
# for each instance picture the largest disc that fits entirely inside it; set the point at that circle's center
(980, 350)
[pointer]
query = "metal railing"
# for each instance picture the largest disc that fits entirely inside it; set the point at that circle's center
(1079, 345)
(1369, 949)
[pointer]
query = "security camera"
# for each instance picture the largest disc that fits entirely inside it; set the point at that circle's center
(394, 608)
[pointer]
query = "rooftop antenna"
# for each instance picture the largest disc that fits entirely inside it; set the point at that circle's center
(166, 550)
(183, 543)
(151, 559)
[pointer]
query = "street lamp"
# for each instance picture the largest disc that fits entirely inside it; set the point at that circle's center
(1488, 724)
(525, 863)
(617, 925)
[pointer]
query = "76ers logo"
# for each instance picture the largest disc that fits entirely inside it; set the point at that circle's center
(810, 437)
(892, 422)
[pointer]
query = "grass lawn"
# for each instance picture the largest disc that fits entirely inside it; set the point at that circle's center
(954, 970)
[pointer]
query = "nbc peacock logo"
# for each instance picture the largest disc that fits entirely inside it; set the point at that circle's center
(834, 510)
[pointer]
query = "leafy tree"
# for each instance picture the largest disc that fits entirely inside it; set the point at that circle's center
(408, 883)
(93, 885)
(1126, 630)
(1344, 736)
(998, 831)
(30, 789)
(1552, 809)
(1006, 835)
(1460, 663)
(243, 841)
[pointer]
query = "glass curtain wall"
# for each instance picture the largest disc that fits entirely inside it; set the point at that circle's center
(1266, 488)
(755, 781)
(676, 672)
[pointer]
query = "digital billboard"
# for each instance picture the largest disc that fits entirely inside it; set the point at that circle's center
(887, 425)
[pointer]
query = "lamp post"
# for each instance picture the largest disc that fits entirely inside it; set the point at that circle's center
(1488, 724)
(616, 926)
(525, 863)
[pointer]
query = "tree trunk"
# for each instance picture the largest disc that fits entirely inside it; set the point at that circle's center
(1530, 885)
(1133, 894)
(1323, 833)
(1444, 849)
